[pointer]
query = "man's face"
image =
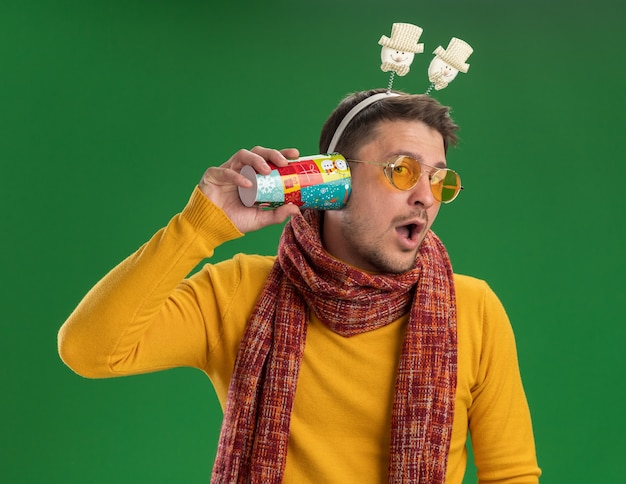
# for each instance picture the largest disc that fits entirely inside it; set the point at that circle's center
(382, 227)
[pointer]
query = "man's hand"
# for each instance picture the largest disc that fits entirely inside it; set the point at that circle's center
(220, 184)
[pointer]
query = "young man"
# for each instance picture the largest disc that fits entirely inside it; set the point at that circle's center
(355, 355)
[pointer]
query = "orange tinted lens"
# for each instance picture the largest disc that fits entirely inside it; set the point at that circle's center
(405, 172)
(445, 185)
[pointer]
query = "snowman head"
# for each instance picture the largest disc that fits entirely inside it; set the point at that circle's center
(395, 56)
(439, 67)
(341, 165)
(327, 165)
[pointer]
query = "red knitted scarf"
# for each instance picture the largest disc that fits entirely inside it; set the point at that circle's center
(255, 432)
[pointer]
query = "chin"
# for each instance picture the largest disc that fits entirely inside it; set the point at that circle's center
(395, 267)
(405, 268)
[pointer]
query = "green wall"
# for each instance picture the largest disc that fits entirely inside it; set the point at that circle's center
(110, 111)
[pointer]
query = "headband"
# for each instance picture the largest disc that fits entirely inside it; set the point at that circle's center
(397, 54)
(352, 113)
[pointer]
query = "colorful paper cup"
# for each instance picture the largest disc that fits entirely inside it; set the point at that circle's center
(320, 182)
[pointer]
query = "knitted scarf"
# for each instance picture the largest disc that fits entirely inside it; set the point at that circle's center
(255, 431)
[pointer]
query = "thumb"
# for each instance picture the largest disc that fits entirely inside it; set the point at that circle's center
(280, 214)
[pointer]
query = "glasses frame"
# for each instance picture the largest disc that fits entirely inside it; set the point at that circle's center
(389, 165)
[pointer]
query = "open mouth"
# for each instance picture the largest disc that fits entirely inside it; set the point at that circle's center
(408, 231)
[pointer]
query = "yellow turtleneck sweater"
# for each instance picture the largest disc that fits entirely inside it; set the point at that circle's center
(146, 316)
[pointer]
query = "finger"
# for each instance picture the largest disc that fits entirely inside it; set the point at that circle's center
(255, 158)
(279, 214)
(290, 153)
(224, 176)
(273, 156)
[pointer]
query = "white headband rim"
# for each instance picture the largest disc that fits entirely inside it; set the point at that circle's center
(352, 113)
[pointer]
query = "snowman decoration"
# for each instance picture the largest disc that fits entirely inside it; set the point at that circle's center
(447, 63)
(328, 166)
(398, 52)
(341, 165)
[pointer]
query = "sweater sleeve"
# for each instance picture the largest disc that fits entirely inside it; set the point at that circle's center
(499, 417)
(143, 315)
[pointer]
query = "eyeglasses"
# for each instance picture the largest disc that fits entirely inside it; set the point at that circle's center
(403, 172)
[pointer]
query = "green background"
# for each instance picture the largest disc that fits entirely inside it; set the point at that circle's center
(111, 110)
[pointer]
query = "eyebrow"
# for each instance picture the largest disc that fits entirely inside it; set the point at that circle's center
(419, 158)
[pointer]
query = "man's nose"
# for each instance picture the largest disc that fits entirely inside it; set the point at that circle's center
(421, 193)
